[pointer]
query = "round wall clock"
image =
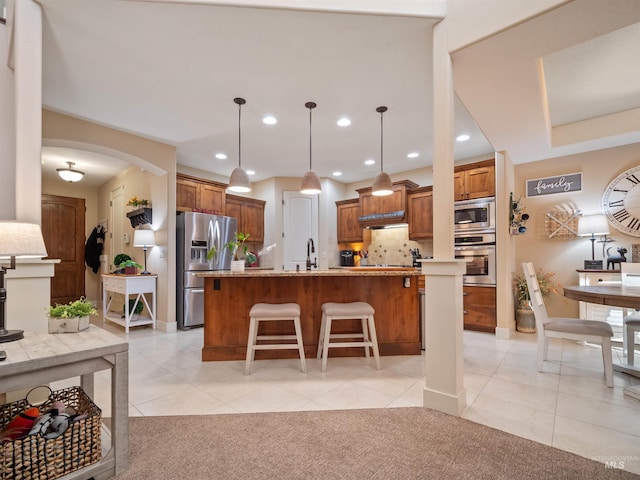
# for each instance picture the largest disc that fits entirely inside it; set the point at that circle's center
(621, 202)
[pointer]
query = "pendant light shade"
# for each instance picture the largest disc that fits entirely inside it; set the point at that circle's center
(69, 174)
(310, 181)
(239, 180)
(382, 183)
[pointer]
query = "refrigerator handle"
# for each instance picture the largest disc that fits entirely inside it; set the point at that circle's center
(214, 241)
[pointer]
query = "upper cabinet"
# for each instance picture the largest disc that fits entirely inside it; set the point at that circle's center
(385, 210)
(476, 180)
(349, 230)
(196, 194)
(250, 215)
(420, 213)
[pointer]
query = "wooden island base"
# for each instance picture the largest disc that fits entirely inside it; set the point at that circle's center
(229, 296)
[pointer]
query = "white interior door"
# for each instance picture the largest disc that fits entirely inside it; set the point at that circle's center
(300, 220)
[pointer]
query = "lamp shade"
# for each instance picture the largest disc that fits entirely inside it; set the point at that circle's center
(311, 183)
(18, 239)
(69, 174)
(593, 225)
(239, 181)
(382, 185)
(143, 238)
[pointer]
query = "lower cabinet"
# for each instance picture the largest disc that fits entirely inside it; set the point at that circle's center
(479, 308)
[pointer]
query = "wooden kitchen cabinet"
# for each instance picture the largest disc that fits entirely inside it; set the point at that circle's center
(196, 194)
(475, 180)
(250, 215)
(349, 229)
(420, 213)
(479, 308)
(385, 210)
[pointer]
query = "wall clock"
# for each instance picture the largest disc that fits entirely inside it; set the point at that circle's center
(621, 202)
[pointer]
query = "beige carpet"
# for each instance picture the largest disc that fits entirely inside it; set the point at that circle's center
(398, 443)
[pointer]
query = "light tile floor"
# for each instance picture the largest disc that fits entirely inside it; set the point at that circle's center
(568, 406)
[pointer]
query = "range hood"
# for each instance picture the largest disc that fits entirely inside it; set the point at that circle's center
(390, 210)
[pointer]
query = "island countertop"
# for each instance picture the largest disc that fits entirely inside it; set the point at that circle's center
(391, 291)
(331, 272)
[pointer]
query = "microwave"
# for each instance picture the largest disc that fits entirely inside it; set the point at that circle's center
(478, 214)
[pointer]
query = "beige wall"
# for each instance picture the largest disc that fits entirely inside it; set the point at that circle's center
(565, 256)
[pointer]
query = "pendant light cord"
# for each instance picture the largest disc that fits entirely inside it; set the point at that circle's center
(310, 110)
(239, 143)
(381, 142)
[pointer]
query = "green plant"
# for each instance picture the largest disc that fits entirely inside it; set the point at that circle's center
(78, 308)
(238, 244)
(137, 202)
(138, 306)
(129, 263)
(121, 257)
(521, 290)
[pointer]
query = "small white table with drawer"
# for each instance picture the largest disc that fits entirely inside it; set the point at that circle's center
(131, 286)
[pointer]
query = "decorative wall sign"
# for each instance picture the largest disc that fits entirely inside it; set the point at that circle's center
(571, 182)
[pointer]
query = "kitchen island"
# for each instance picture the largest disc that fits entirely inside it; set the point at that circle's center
(228, 296)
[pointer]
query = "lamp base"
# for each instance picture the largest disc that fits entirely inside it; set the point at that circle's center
(593, 264)
(145, 273)
(11, 335)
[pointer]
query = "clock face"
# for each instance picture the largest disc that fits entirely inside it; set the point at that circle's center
(621, 202)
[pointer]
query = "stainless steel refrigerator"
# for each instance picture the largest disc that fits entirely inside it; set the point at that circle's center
(196, 234)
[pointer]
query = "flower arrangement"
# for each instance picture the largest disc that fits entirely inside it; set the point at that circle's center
(137, 202)
(78, 308)
(521, 290)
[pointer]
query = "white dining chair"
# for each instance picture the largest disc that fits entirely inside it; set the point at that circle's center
(567, 328)
(630, 323)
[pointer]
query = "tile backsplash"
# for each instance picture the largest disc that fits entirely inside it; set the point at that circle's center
(391, 246)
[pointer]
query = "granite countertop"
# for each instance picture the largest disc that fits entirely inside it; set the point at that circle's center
(331, 272)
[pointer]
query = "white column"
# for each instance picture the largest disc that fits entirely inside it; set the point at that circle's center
(28, 109)
(444, 389)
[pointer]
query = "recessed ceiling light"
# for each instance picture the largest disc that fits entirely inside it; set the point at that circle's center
(463, 138)
(269, 120)
(344, 122)
(251, 172)
(369, 162)
(337, 173)
(413, 155)
(221, 156)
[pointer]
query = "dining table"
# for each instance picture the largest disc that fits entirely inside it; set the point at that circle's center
(614, 295)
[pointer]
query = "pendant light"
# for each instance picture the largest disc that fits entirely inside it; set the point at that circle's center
(382, 183)
(310, 181)
(239, 180)
(69, 174)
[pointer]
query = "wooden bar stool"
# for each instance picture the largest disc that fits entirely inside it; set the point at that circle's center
(348, 311)
(268, 312)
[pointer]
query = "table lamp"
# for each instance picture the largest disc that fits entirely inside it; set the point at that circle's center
(593, 225)
(144, 239)
(22, 240)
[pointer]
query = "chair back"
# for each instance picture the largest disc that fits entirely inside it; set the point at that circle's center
(630, 274)
(535, 295)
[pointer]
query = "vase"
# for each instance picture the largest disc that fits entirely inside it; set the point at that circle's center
(68, 325)
(237, 265)
(525, 318)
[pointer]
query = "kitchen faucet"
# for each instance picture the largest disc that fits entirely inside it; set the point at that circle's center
(309, 252)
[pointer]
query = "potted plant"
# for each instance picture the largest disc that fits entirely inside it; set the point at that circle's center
(240, 251)
(135, 309)
(525, 319)
(70, 317)
(125, 265)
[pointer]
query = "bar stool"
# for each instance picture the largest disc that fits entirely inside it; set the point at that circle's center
(348, 311)
(268, 312)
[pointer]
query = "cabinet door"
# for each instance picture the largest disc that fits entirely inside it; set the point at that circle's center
(234, 209)
(459, 190)
(253, 221)
(420, 209)
(349, 229)
(480, 182)
(187, 192)
(212, 198)
(479, 308)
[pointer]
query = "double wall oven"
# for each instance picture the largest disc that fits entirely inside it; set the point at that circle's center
(475, 240)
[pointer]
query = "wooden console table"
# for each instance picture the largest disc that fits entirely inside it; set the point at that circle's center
(41, 358)
(129, 285)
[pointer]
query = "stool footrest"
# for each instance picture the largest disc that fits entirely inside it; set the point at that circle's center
(350, 344)
(276, 337)
(347, 335)
(273, 346)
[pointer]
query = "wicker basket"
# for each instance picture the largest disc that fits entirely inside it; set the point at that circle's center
(34, 457)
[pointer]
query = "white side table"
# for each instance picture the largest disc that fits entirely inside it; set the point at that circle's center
(131, 286)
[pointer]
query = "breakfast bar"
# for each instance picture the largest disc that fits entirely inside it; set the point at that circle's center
(392, 292)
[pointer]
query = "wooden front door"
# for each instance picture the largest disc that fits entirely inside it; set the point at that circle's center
(63, 221)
